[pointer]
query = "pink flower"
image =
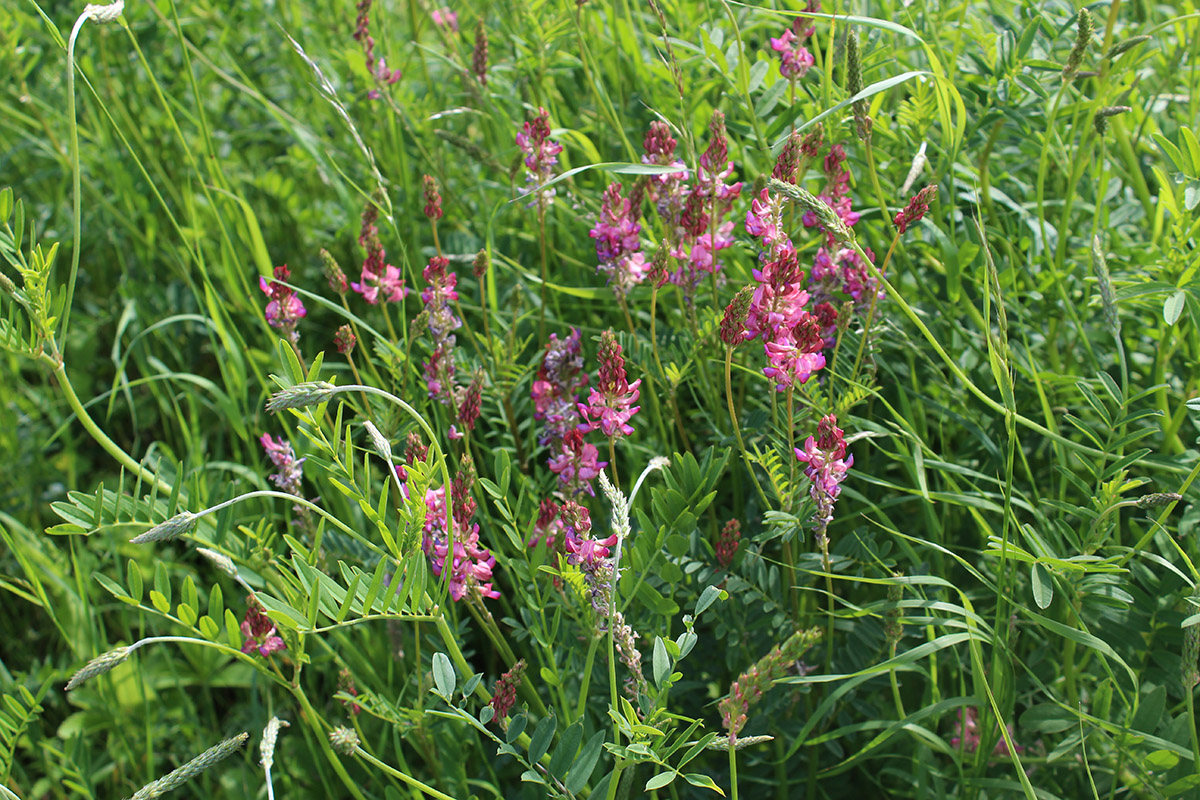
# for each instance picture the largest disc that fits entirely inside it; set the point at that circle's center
(556, 389)
(445, 18)
(284, 458)
(795, 59)
(259, 631)
(617, 243)
(285, 310)
(966, 734)
(794, 357)
(472, 565)
(388, 286)
(827, 466)
(548, 527)
(610, 405)
(437, 296)
(576, 464)
(541, 154)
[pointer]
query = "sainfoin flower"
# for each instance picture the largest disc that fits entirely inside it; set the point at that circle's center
(445, 18)
(541, 154)
(376, 66)
(825, 455)
(471, 568)
(504, 693)
(576, 464)
(966, 734)
(285, 310)
(380, 282)
(610, 404)
(259, 631)
(749, 688)
(618, 244)
(284, 458)
(795, 59)
(556, 389)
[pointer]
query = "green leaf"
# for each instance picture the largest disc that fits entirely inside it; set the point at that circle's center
(539, 743)
(660, 780)
(1161, 759)
(159, 601)
(578, 777)
(1173, 307)
(661, 661)
(568, 746)
(1043, 586)
(133, 579)
(703, 781)
(444, 677)
(516, 726)
(707, 598)
(232, 630)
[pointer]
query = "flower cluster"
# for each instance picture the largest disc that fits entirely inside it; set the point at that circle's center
(590, 555)
(792, 336)
(693, 214)
(795, 59)
(610, 404)
(749, 688)
(665, 190)
(825, 455)
(376, 66)
(727, 543)
(472, 564)
(916, 209)
(504, 693)
(966, 734)
(576, 464)
(445, 18)
(259, 631)
(380, 281)
(433, 198)
(837, 190)
(541, 154)
(548, 527)
(440, 291)
(284, 458)
(479, 54)
(556, 389)
(618, 246)
(284, 310)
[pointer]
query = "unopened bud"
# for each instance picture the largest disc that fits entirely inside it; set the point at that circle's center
(344, 740)
(1158, 499)
(178, 525)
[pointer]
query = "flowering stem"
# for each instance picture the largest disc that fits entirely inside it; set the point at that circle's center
(542, 249)
(828, 591)
(789, 559)
(683, 439)
(612, 459)
(408, 779)
(896, 686)
(110, 447)
(587, 676)
(862, 343)
(1191, 708)
(737, 428)
(733, 779)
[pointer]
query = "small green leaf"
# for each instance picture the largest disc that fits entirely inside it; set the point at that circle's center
(578, 777)
(1173, 307)
(516, 726)
(133, 579)
(539, 743)
(187, 614)
(1043, 586)
(707, 598)
(444, 677)
(209, 628)
(661, 662)
(232, 630)
(663, 778)
(1161, 759)
(159, 601)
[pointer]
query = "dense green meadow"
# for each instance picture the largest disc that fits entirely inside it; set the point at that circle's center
(670, 399)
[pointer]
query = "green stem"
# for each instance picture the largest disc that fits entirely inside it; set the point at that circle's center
(737, 428)
(314, 722)
(408, 779)
(733, 779)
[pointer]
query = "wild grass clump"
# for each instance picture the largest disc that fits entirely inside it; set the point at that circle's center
(599, 400)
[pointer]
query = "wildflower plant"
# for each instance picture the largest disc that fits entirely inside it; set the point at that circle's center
(656, 415)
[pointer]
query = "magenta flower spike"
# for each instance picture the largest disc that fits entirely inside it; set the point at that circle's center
(259, 631)
(610, 405)
(827, 463)
(284, 310)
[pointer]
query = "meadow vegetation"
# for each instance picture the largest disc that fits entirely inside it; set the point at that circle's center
(673, 398)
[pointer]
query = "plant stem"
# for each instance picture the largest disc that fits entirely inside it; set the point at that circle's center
(733, 779)
(411, 781)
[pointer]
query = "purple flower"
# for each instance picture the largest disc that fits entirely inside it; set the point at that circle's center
(284, 311)
(576, 464)
(610, 405)
(796, 355)
(376, 66)
(472, 566)
(795, 59)
(556, 389)
(541, 154)
(445, 18)
(284, 458)
(259, 631)
(827, 465)
(437, 297)
(617, 243)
